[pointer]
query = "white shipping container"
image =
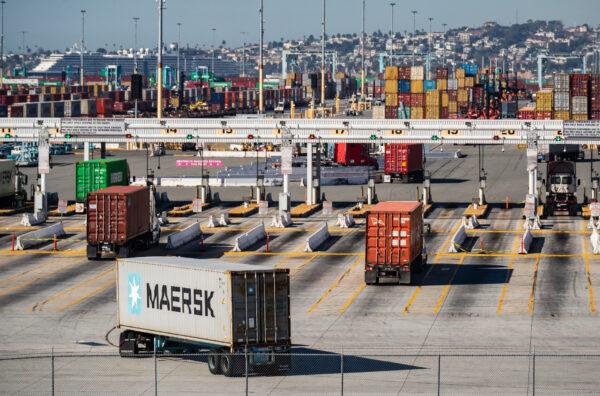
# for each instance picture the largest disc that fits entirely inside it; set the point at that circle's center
(561, 101)
(417, 73)
(203, 301)
(7, 178)
(452, 84)
(579, 104)
(378, 112)
(561, 82)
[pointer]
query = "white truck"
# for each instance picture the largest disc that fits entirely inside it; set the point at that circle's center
(231, 310)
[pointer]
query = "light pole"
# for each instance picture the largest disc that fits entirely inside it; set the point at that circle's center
(444, 43)
(212, 61)
(323, 58)
(244, 54)
(261, 33)
(392, 37)
(159, 82)
(23, 32)
(362, 53)
(135, 44)
(82, 47)
(2, 2)
(414, 12)
(429, 45)
(178, 53)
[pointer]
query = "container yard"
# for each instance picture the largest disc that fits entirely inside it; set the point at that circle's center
(198, 210)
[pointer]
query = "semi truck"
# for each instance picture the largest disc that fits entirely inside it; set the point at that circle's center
(12, 185)
(394, 243)
(230, 310)
(404, 162)
(561, 187)
(120, 220)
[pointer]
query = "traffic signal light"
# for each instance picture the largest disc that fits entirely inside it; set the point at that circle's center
(68, 136)
(189, 137)
(435, 137)
(373, 137)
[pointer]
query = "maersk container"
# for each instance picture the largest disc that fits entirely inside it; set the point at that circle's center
(404, 162)
(394, 242)
(95, 174)
(200, 304)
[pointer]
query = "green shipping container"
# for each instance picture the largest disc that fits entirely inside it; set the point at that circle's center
(95, 174)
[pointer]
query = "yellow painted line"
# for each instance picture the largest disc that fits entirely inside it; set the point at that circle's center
(68, 252)
(511, 263)
(37, 307)
(442, 298)
(352, 298)
(97, 290)
(567, 232)
(587, 271)
(533, 285)
(415, 293)
(294, 254)
(335, 284)
(35, 279)
(546, 255)
(304, 264)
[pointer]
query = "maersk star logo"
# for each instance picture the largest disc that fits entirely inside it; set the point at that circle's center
(134, 289)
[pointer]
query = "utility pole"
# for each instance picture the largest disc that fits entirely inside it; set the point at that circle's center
(23, 32)
(392, 37)
(135, 44)
(261, 33)
(414, 12)
(244, 54)
(178, 55)
(82, 47)
(212, 61)
(362, 54)
(159, 79)
(2, 2)
(444, 43)
(323, 59)
(429, 45)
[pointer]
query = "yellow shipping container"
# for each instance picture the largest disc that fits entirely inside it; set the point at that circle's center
(460, 73)
(433, 98)
(445, 99)
(564, 115)
(391, 86)
(416, 86)
(391, 99)
(442, 85)
(462, 95)
(469, 82)
(453, 106)
(391, 72)
(417, 113)
(543, 100)
(432, 112)
(579, 117)
(460, 83)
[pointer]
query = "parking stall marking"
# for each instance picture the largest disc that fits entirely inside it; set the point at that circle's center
(531, 305)
(334, 285)
(510, 266)
(442, 298)
(97, 290)
(592, 303)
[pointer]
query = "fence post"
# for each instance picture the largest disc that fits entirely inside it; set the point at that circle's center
(342, 370)
(439, 374)
(52, 369)
(533, 375)
(155, 369)
(246, 366)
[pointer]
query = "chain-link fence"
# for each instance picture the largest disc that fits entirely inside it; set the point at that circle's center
(310, 373)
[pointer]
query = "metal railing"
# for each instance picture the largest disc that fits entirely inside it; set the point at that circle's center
(311, 372)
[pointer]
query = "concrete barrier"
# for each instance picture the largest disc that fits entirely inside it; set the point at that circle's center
(345, 220)
(470, 223)
(281, 220)
(222, 221)
(594, 223)
(30, 219)
(525, 243)
(163, 219)
(39, 237)
(458, 239)
(315, 240)
(595, 239)
(184, 236)
(249, 238)
(533, 224)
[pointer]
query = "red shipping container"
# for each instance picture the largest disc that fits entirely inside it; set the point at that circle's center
(118, 214)
(352, 154)
(394, 241)
(404, 98)
(595, 115)
(404, 161)
(404, 73)
(391, 112)
(445, 113)
(543, 115)
(526, 114)
(442, 73)
(104, 107)
(580, 84)
(417, 100)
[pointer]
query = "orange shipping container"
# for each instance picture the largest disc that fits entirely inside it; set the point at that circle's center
(391, 73)
(391, 100)
(394, 241)
(416, 86)
(391, 86)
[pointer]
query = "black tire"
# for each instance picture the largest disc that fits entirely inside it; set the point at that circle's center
(214, 362)
(232, 365)
(92, 253)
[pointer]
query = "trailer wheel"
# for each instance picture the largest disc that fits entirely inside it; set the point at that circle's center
(214, 362)
(232, 365)
(92, 253)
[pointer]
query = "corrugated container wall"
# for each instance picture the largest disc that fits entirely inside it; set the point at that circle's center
(95, 174)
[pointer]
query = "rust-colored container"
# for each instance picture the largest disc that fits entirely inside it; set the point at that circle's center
(394, 241)
(118, 214)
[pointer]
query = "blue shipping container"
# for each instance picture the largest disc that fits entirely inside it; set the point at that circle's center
(429, 85)
(217, 98)
(404, 86)
(470, 69)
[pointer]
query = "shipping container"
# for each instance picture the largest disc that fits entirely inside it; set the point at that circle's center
(120, 219)
(394, 242)
(206, 304)
(417, 73)
(416, 86)
(352, 154)
(8, 173)
(95, 174)
(404, 162)
(391, 73)
(543, 100)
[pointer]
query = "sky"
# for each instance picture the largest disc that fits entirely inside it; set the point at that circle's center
(56, 24)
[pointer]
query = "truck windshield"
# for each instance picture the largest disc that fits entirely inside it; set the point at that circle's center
(566, 180)
(555, 180)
